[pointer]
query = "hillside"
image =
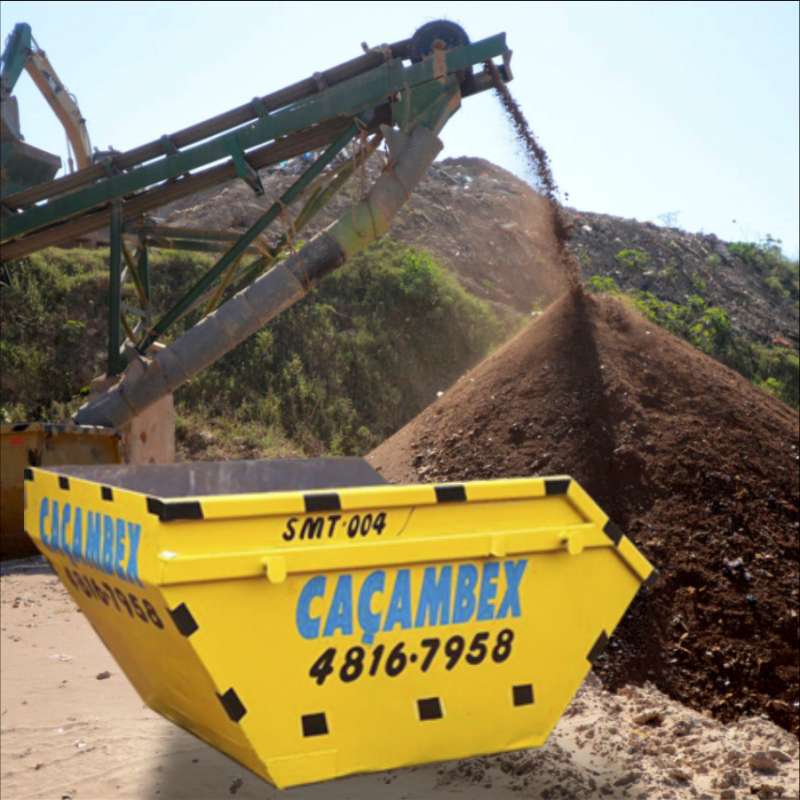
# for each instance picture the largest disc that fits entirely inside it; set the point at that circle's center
(737, 301)
(487, 227)
(334, 374)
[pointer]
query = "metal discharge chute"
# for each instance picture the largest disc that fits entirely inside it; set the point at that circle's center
(147, 380)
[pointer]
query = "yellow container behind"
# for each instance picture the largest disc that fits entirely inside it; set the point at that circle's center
(28, 444)
(320, 629)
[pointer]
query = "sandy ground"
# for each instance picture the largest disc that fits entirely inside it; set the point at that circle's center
(73, 727)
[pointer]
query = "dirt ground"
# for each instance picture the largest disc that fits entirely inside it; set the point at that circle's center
(73, 727)
(695, 464)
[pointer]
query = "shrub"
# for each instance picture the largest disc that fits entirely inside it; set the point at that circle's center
(633, 260)
(602, 285)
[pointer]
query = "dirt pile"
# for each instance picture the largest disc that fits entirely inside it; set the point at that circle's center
(603, 747)
(694, 463)
(466, 211)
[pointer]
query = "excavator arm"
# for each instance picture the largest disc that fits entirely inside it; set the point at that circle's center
(63, 104)
(22, 53)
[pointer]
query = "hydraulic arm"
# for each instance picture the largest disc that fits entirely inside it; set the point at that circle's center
(23, 166)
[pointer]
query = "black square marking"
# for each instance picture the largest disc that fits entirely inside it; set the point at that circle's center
(322, 502)
(556, 486)
(523, 694)
(451, 494)
(107, 493)
(652, 579)
(183, 619)
(430, 708)
(598, 647)
(612, 530)
(63, 482)
(233, 706)
(315, 725)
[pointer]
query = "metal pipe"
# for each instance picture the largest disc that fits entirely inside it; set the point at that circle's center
(147, 380)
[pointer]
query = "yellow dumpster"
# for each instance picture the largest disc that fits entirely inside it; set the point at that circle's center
(311, 621)
(29, 444)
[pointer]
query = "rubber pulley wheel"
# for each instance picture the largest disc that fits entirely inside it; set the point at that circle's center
(445, 31)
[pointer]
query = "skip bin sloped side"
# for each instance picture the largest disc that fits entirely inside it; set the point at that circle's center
(103, 545)
(375, 628)
(311, 635)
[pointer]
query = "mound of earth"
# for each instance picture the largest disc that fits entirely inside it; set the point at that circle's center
(485, 225)
(697, 465)
(491, 231)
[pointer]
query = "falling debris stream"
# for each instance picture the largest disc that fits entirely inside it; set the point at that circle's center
(540, 163)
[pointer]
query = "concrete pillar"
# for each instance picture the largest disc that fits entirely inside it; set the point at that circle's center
(150, 437)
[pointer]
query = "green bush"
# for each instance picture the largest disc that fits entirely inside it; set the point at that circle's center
(602, 285)
(774, 369)
(335, 373)
(633, 260)
(781, 274)
(366, 351)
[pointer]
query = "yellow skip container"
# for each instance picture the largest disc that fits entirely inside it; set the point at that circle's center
(311, 621)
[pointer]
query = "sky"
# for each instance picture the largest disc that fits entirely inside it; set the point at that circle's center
(684, 112)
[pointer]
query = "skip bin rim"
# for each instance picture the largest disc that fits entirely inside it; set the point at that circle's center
(170, 482)
(59, 428)
(194, 510)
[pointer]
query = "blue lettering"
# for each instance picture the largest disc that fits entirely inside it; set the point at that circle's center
(308, 626)
(77, 535)
(55, 528)
(445, 597)
(134, 534)
(464, 605)
(491, 570)
(434, 598)
(368, 620)
(511, 602)
(399, 612)
(340, 616)
(44, 513)
(93, 534)
(108, 545)
(119, 550)
(66, 518)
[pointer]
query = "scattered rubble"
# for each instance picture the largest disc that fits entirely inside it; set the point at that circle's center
(599, 750)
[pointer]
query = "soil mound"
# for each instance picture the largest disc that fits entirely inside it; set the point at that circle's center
(697, 465)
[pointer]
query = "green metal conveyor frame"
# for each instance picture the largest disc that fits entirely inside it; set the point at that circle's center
(327, 112)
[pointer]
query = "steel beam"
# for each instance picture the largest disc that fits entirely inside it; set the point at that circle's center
(247, 238)
(364, 92)
(115, 360)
